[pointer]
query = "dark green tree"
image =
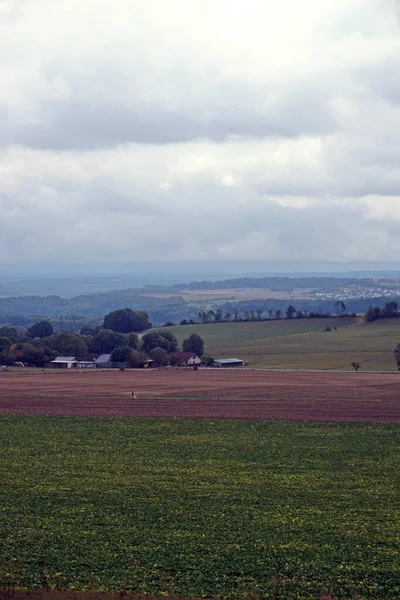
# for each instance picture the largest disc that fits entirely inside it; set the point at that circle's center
(68, 344)
(122, 354)
(161, 339)
(125, 320)
(9, 332)
(159, 356)
(194, 343)
(133, 341)
(41, 329)
(5, 344)
(290, 311)
(107, 340)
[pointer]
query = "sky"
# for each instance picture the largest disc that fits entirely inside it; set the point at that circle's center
(199, 130)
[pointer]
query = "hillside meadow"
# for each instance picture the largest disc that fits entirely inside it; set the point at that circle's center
(215, 509)
(302, 343)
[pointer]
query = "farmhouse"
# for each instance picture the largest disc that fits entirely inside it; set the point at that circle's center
(228, 362)
(63, 362)
(188, 359)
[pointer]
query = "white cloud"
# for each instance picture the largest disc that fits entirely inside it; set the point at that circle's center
(210, 128)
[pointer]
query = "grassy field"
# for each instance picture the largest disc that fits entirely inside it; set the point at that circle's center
(302, 344)
(201, 508)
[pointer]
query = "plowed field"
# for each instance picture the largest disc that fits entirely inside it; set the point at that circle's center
(272, 395)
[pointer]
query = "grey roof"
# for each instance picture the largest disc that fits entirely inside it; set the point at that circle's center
(103, 358)
(64, 359)
(227, 361)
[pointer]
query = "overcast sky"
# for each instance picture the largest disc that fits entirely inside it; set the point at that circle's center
(199, 129)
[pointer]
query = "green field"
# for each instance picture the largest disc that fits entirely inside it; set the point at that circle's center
(201, 508)
(302, 343)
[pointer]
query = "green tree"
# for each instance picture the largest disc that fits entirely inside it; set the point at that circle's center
(161, 339)
(9, 332)
(137, 359)
(356, 365)
(89, 330)
(373, 313)
(5, 344)
(159, 356)
(278, 314)
(106, 341)
(219, 313)
(125, 320)
(290, 311)
(208, 361)
(41, 329)
(194, 343)
(68, 344)
(259, 313)
(133, 341)
(390, 309)
(340, 307)
(121, 354)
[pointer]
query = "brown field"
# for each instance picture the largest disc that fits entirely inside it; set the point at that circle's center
(237, 294)
(236, 394)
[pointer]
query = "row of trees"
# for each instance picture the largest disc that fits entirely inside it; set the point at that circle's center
(40, 344)
(389, 311)
(218, 316)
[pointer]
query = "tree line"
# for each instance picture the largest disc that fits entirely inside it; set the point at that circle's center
(118, 336)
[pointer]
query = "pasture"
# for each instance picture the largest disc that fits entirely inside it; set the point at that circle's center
(195, 508)
(303, 343)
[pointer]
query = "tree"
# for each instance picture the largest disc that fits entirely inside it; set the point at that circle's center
(159, 356)
(270, 313)
(373, 313)
(125, 320)
(278, 314)
(88, 330)
(340, 307)
(299, 314)
(356, 365)
(219, 313)
(259, 314)
(122, 354)
(9, 332)
(194, 343)
(137, 359)
(290, 311)
(396, 353)
(106, 340)
(235, 314)
(133, 341)
(390, 309)
(208, 361)
(159, 339)
(227, 316)
(68, 344)
(41, 329)
(5, 344)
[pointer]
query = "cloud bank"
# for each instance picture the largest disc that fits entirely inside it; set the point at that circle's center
(209, 129)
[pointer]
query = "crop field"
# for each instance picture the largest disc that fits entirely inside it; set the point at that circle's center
(206, 393)
(195, 508)
(303, 343)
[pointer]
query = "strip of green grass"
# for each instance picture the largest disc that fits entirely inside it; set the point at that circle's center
(190, 508)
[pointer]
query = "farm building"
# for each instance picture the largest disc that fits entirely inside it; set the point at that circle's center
(63, 362)
(85, 364)
(103, 361)
(188, 359)
(228, 362)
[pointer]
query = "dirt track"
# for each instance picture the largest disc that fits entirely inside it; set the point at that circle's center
(305, 396)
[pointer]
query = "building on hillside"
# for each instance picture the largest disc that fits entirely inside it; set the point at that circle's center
(186, 359)
(228, 362)
(63, 362)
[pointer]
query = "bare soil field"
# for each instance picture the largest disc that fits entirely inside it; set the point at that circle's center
(234, 394)
(237, 294)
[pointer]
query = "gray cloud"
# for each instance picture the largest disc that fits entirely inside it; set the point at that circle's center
(189, 132)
